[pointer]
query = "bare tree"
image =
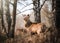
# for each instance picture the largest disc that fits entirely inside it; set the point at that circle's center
(14, 16)
(49, 18)
(36, 9)
(2, 18)
(8, 17)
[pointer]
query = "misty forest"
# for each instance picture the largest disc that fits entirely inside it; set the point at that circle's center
(29, 21)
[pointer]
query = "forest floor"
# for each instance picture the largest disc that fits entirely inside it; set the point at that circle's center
(25, 37)
(35, 38)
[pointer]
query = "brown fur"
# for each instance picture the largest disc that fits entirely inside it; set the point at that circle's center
(35, 28)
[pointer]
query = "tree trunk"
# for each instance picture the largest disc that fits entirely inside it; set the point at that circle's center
(8, 17)
(14, 16)
(2, 18)
(53, 22)
(36, 9)
(58, 19)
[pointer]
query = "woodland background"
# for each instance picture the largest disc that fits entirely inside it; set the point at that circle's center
(13, 12)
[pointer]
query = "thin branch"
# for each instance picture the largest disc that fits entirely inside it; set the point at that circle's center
(11, 3)
(21, 3)
(25, 10)
(18, 11)
(26, 6)
(43, 4)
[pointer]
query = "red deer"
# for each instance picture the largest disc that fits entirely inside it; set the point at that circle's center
(34, 27)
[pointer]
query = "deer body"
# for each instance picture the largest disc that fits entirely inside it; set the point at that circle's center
(35, 28)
